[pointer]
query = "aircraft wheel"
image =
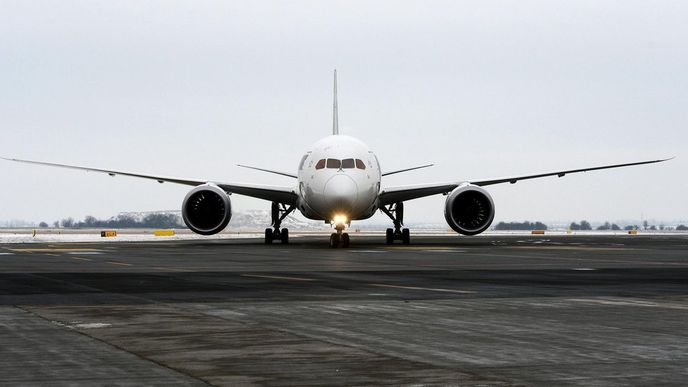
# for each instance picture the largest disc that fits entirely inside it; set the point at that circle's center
(405, 236)
(284, 236)
(268, 236)
(334, 240)
(389, 236)
(345, 240)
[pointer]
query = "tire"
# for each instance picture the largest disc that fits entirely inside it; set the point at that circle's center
(284, 236)
(334, 240)
(268, 236)
(345, 240)
(389, 236)
(406, 236)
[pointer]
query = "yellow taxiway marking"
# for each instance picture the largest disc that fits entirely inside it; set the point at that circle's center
(278, 277)
(419, 288)
(119, 263)
(82, 259)
(56, 250)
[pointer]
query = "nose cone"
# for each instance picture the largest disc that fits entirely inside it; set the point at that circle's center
(341, 192)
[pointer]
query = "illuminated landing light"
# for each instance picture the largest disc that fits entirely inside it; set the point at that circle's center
(340, 219)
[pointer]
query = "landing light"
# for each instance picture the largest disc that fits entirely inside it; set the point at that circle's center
(339, 219)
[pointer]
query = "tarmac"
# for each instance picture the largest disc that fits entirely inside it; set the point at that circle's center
(446, 310)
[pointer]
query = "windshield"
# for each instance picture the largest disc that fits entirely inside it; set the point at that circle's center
(334, 163)
(340, 164)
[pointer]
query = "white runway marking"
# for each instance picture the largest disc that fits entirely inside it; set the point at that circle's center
(119, 263)
(90, 325)
(583, 269)
(419, 288)
(278, 277)
(85, 253)
(6, 253)
(630, 302)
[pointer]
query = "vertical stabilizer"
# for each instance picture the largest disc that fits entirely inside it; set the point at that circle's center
(335, 117)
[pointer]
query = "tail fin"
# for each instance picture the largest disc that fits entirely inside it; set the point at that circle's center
(335, 117)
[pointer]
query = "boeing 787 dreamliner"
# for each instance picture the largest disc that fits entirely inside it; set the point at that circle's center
(338, 181)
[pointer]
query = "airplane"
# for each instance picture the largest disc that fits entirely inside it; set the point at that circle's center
(338, 180)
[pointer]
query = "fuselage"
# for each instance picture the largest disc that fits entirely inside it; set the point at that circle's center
(339, 178)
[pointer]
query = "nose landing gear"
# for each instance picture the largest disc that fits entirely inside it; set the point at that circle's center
(395, 212)
(279, 213)
(339, 238)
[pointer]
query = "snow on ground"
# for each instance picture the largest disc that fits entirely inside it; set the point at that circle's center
(67, 236)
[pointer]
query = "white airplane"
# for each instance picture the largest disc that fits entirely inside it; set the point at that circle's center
(339, 180)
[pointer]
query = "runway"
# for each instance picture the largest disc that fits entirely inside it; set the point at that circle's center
(488, 310)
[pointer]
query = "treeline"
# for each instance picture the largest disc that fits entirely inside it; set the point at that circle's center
(517, 226)
(584, 225)
(122, 221)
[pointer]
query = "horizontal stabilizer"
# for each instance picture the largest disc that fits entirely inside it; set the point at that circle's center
(268, 171)
(406, 170)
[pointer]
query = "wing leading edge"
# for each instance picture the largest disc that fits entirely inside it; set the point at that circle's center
(284, 195)
(398, 194)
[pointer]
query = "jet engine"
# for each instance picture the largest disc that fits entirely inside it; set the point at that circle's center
(469, 209)
(206, 209)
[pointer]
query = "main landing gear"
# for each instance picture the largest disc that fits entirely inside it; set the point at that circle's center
(339, 238)
(279, 213)
(395, 212)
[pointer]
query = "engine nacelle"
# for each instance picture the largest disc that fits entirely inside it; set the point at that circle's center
(206, 209)
(469, 209)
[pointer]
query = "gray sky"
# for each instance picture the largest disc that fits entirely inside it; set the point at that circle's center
(483, 89)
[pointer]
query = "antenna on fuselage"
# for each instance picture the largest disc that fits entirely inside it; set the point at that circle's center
(335, 117)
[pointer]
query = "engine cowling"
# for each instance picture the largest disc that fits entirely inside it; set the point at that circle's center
(206, 209)
(469, 210)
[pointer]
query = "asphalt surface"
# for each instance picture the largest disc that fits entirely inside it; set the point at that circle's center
(491, 310)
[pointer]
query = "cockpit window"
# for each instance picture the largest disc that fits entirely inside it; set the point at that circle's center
(303, 161)
(340, 164)
(334, 163)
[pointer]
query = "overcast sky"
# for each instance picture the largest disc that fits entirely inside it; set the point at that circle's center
(481, 88)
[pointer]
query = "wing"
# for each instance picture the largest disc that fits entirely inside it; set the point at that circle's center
(284, 195)
(399, 194)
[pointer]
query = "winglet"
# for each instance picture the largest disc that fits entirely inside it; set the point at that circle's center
(335, 117)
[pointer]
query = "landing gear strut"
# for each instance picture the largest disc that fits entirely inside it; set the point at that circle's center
(340, 237)
(395, 212)
(279, 213)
